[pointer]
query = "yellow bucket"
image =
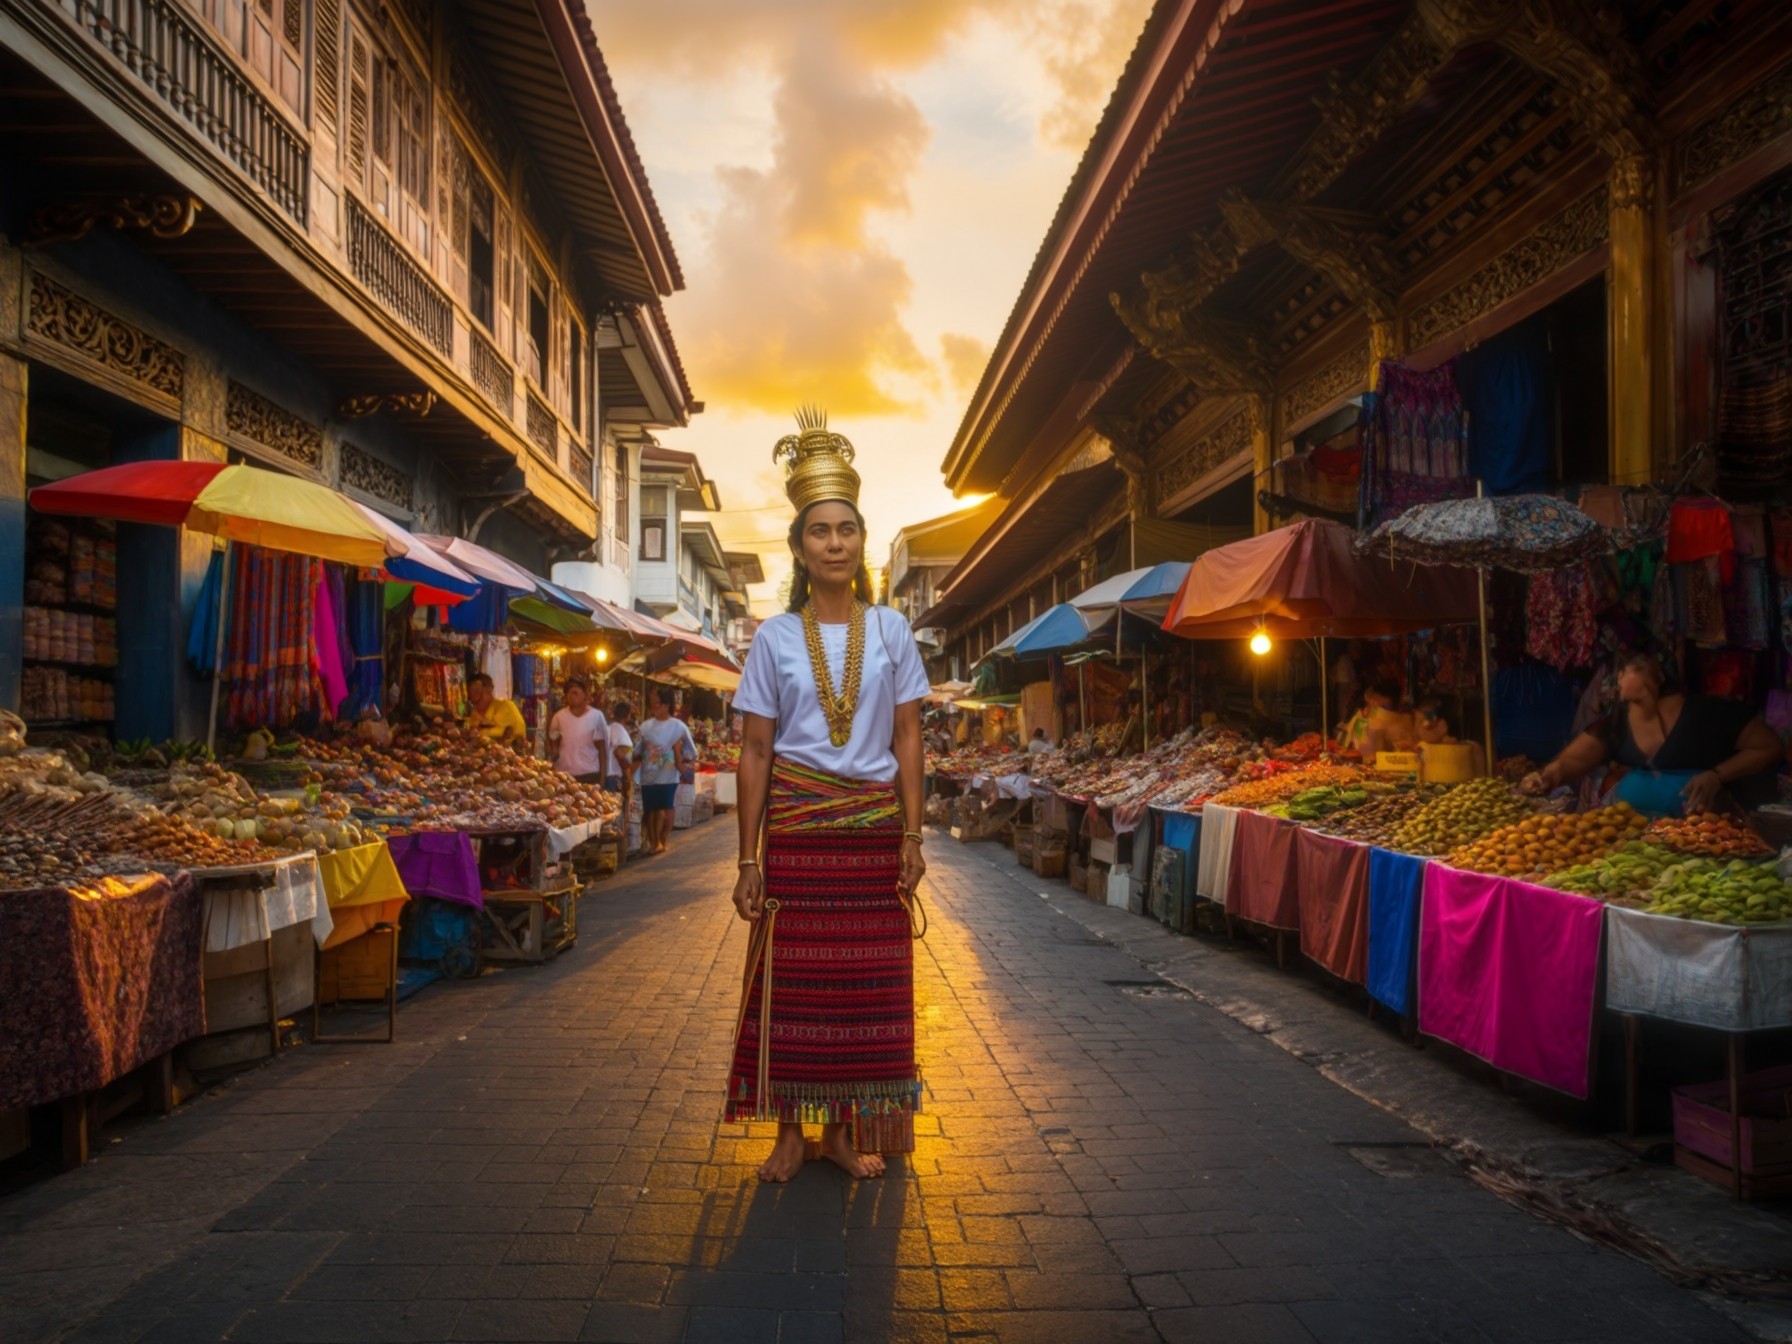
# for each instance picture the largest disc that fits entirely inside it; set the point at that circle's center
(1447, 762)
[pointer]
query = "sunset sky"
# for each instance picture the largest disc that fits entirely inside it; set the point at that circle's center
(855, 189)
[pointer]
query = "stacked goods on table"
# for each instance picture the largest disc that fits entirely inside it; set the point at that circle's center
(220, 801)
(1317, 803)
(1736, 892)
(450, 779)
(57, 824)
(1181, 772)
(1378, 818)
(978, 759)
(1627, 877)
(723, 756)
(1545, 844)
(1711, 835)
(1280, 785)
(1460, 816)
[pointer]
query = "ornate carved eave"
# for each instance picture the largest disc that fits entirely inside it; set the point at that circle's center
(1350, 249)
(1219, 355)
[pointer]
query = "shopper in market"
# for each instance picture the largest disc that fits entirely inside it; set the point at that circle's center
(495, 719)
(622, 749)
(666, 748)
(580, 736)
(1673, 752)
(1039, 744)
(830, 842)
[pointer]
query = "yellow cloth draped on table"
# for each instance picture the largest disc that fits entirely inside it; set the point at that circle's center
(363, 888)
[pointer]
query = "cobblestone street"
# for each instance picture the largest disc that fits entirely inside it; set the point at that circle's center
(538, 1158)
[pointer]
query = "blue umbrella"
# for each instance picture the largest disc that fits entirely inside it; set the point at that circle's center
(1061, 627)
(1147, 591)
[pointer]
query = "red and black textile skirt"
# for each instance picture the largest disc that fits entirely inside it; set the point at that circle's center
(835, 1043)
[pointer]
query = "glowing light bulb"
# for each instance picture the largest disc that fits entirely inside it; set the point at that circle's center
(1260, 644)
(603, 654)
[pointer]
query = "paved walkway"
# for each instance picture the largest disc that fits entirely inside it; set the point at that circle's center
(538, 1158)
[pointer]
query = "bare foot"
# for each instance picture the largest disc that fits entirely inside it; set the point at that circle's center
(838, 1149)
(787, 1156)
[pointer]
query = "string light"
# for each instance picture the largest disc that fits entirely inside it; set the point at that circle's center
(1260, 643)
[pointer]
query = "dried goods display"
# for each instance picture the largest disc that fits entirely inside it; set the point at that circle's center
(1736, 892)
(1283, 785)
(978, 759)
(1313, 804)
(1549, 843)
(1627, 877)
(56, 833)
(1376, 820)
(1464, 814)
(219, 801)
(1710, 834)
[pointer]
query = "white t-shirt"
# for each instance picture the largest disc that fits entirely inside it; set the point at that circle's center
(619, 741)
(658, 757)
(584, 741)
(777, 683)
(1038, 746)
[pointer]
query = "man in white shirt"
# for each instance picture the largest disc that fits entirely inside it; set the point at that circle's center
(1039, 743)
(580, 736)
(622, 748)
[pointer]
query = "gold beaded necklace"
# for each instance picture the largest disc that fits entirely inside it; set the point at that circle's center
(837, 709)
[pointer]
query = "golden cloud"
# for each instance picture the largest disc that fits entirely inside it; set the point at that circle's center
(965, 358)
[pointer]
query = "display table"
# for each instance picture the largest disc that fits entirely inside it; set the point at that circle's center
(359, 961)
(1213, 873)
(1333, 882)
(1396, 884)
(247, 904)
(1509, 972)
(440, 864)
(263, 925)
(1263, 887)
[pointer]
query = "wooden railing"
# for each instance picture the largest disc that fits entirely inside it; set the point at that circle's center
(543, 430)
(163, 47)
(493, 375)
(379, 261)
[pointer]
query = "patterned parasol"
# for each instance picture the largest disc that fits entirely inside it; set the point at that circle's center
(1526, 533)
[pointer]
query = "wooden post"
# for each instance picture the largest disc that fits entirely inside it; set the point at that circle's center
(1262, 459)
(1630, 308)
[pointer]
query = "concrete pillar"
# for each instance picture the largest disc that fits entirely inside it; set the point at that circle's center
(1631, 303)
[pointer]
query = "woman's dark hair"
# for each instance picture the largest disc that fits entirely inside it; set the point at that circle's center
(621, 710)
(1651, 667)
(666, 696)
(799, 581)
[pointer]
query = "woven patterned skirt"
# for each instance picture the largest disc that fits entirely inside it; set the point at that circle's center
(835, 1040)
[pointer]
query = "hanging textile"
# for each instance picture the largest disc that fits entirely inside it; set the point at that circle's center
(1749, 605)
(268, 646)
(1698, 528)
(484, 612)
(1506, 393)
(1328, 478)
(1699, 591)
(202, 635)
(1561, 625)
(326, 642)
(1414, 442)
(366, 619)
(492, 653)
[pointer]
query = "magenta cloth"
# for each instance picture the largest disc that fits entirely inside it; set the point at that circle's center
(1508, 972)
(439, 864)
(328, 647)
(1262, 887)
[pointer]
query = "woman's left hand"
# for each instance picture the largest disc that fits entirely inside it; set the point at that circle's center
(1702, 790)
(914, 867)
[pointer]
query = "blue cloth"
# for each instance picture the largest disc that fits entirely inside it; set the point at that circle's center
(365, 609)
(1654, 793)
(658, 797)
(1395, 882)
(1182, 830)
(202, 635)
(1533, 711)
(483, 614)
(1505, 389)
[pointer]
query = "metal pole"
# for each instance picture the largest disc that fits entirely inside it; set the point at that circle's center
(1325, 730)
(1144, 704)
(211, 727)
(1486, 661)
(1082, 684)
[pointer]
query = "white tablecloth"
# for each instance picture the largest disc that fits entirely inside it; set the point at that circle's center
(239, 916)
(1709, 975)
(1213, 867)
(571, 837)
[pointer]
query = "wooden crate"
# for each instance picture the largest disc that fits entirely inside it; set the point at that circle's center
(1095, 882)
(1023, 844)
(1050, 863)
(530, 926)
(1702, 1132)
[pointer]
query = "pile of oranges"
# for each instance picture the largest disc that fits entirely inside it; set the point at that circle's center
(1547, 844)
(1710, 834)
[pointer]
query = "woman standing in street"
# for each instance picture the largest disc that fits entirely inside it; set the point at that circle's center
(666, 747)
(830, 841)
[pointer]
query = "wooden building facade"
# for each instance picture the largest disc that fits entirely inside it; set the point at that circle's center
(406, 249)
(1282, 195)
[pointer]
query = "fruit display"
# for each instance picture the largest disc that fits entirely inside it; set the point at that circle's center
(1464, 814)
(1282, 786)
(219, 801)
(1736, 892)
(50, 836)
(977, 759)
(1711, 835)
(1312, 804)
(1548, 843)
(1377, 819)
(1627, 877)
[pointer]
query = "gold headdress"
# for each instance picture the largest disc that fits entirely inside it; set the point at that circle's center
(820, 462)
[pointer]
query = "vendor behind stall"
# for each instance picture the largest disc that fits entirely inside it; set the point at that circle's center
(1675, 751)
(1379, 725)
(494, 719)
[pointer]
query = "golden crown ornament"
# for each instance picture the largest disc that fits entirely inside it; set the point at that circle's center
(818, 462)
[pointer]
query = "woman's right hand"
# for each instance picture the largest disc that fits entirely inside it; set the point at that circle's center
(749, 893)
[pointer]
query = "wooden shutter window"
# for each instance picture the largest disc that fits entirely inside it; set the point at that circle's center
(329, 60)
(360, 106)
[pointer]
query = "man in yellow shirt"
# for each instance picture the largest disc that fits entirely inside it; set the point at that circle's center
(494, 719)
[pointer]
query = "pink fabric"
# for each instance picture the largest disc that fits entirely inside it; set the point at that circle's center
(1508, 972)
(327, 648)
(1263, 886)
(1334, 903)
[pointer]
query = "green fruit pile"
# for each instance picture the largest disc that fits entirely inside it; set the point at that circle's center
(1625, 878)
(1463, 815)
(1312, 804)
(1736, 892)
